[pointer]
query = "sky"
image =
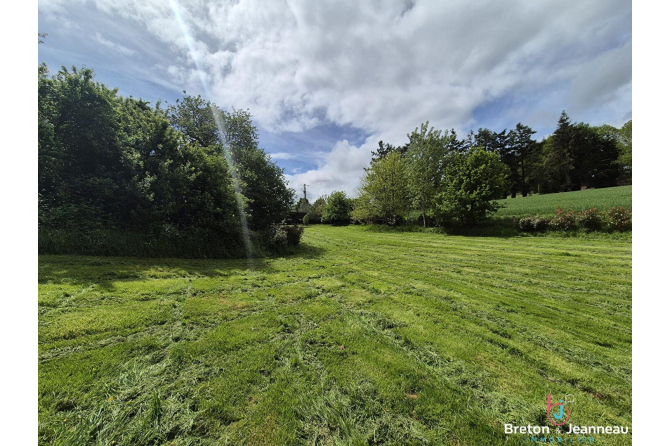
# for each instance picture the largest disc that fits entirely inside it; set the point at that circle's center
(325, 81)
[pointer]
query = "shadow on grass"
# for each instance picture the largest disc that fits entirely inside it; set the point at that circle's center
(104, 271)
(502, 227)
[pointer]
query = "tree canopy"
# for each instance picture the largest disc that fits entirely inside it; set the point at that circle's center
(110, 162)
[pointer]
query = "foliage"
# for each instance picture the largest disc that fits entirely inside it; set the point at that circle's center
(472, 181)
(266, 195)
(620, 218)
(278, 237)
(384, 192)
(425, 165)
(580, 155)
(316, 211)
(337, 209)
(590, 219)
(526, 224)
(564, 220)
(537, 223)
(112, 163)
(305, 219)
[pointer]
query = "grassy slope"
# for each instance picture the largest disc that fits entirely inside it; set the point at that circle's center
(364, 337)
(576, 200)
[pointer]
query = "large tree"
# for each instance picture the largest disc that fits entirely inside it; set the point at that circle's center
(384, 192)
(425, 165)
(337, 209)
(472, 182)
(265, 193)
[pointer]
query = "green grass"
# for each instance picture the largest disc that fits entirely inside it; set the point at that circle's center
(361, 338)
(577, 200)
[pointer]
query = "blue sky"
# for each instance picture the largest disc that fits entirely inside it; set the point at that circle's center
(325, 81)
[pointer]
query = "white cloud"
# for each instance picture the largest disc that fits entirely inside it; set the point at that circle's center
(387, 66)
(282, 156)
(340, 170)
(114, 46)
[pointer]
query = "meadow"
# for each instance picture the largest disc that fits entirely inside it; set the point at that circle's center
(362, 337)
(546, 204)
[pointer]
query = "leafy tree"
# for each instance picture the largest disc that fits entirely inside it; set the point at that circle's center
(266, 195)
(384, 192)
(472, 181)
(303, 205)
(194, 117)
(337, 209)
(385, 149)
(425, 165)
(110, 162)
(626, 146)
(316, 212)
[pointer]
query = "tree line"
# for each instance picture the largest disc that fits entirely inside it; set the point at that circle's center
(449, 180)
(112, 163)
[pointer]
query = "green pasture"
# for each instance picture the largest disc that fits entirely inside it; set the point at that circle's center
(362, 337)
(546, 204)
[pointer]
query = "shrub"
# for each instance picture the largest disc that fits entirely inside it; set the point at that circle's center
(563, 220)
(533, 224)
(281, 236)
(619, 218)
(293, 234)
(590, 220)
(305, 219)
(526, 224)
(541, 223)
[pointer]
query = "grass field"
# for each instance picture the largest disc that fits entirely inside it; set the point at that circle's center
(362, 338)
(577, 200)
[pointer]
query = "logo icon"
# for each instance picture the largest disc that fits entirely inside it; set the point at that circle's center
(560, 416)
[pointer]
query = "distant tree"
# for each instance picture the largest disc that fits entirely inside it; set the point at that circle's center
(337, 209)
(559, 156)
(472, 181)
(303, 205)
(384, 192)
(626, 146)
(522, 148)
(425, 165)
(316, 211)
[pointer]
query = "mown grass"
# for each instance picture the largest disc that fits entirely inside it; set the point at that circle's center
(361, 338)
(577, 200)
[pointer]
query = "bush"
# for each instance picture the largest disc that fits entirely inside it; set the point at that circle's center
(590, 220)
(533, 224)
(281, 236)
(293, 234)
(526, 224)
(541, 223)
(619, 218)
(563, 220)
(305, 219)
